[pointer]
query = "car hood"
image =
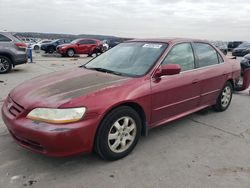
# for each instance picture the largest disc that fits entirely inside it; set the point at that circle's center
(55, 89)
(239, 49)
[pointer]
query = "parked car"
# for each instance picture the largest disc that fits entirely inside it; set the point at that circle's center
(222, 46)
(105, 45)
(232, 45)
(107, 104)
(80, 46)
(37, 46)
(12, 52)
(245, 63)
(51, 46)
(113, 42)
(241, 50)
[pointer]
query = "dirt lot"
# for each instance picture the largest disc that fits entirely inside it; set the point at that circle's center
(206, 149)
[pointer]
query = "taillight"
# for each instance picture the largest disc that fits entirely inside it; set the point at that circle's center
(21, 45)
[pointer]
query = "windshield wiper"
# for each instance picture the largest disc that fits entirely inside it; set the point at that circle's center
(105, 70)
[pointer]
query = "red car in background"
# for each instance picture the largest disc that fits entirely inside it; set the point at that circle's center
(107, 104)
(80, 46)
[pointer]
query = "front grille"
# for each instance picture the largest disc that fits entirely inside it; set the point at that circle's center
(14, 108)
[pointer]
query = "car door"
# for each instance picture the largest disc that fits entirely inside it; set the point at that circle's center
(83, 46)
(91, 46)
(213, 70)
(175, 95)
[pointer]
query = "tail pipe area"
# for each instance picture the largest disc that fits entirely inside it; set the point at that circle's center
(246, 81)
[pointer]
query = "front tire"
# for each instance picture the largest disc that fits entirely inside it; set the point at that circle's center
(5, 64)
(118, 133)
(224, 99)
(70, 53)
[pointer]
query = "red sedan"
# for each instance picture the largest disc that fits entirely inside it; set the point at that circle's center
(80, 46)
(107, 104)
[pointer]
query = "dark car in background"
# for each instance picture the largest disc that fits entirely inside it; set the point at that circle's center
(12, 52)
(222, 46)
(112, 43)
(245, 63)
(51, 46)
(80, 46)
(233, 44)
(242, 50)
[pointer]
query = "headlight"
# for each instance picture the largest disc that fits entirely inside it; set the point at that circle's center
(51, 115)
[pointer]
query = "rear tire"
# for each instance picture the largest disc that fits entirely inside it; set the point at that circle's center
(36, 47)
(224, 99)
(118, 133)
(5, 64)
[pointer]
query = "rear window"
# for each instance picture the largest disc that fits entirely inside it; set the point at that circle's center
(206, 54)
(16, 39)
(87, 42)
(4, 38)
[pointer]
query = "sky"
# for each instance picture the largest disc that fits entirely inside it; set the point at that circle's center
(204, 19)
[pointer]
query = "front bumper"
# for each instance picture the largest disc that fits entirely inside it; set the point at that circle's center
(51, 139)
(61, 51)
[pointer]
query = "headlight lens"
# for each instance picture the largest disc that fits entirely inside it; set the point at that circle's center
(51, 115)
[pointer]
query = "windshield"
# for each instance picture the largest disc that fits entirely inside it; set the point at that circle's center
(75, 41)
(54, 41)
(132, 58)
(244, 45)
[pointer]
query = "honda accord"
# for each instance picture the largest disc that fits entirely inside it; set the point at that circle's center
(108, 103)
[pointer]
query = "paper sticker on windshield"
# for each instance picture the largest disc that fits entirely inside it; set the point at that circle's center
(152, 46)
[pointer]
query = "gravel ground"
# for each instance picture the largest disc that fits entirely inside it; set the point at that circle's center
(205, 149)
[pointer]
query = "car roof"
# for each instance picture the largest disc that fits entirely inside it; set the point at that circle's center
(168, 40)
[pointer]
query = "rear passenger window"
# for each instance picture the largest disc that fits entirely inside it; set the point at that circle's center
(4, 38)
(181, 54)
(83, 42)
(206, 54)
(91, 42)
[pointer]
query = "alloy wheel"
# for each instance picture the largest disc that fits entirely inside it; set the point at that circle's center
(122, 134)
(226, 96)
(4, 65)
(71, 53)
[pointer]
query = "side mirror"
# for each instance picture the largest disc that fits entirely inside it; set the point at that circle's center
(169, 69)
(78, 44)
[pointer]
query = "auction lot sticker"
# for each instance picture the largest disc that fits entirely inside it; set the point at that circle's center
(152, 46)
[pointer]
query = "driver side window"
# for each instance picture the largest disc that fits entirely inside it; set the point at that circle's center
(181, 54)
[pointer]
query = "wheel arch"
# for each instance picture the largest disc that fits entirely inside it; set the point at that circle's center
(232, 82)
(70, 49)
(135, 106)
(8, 56)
